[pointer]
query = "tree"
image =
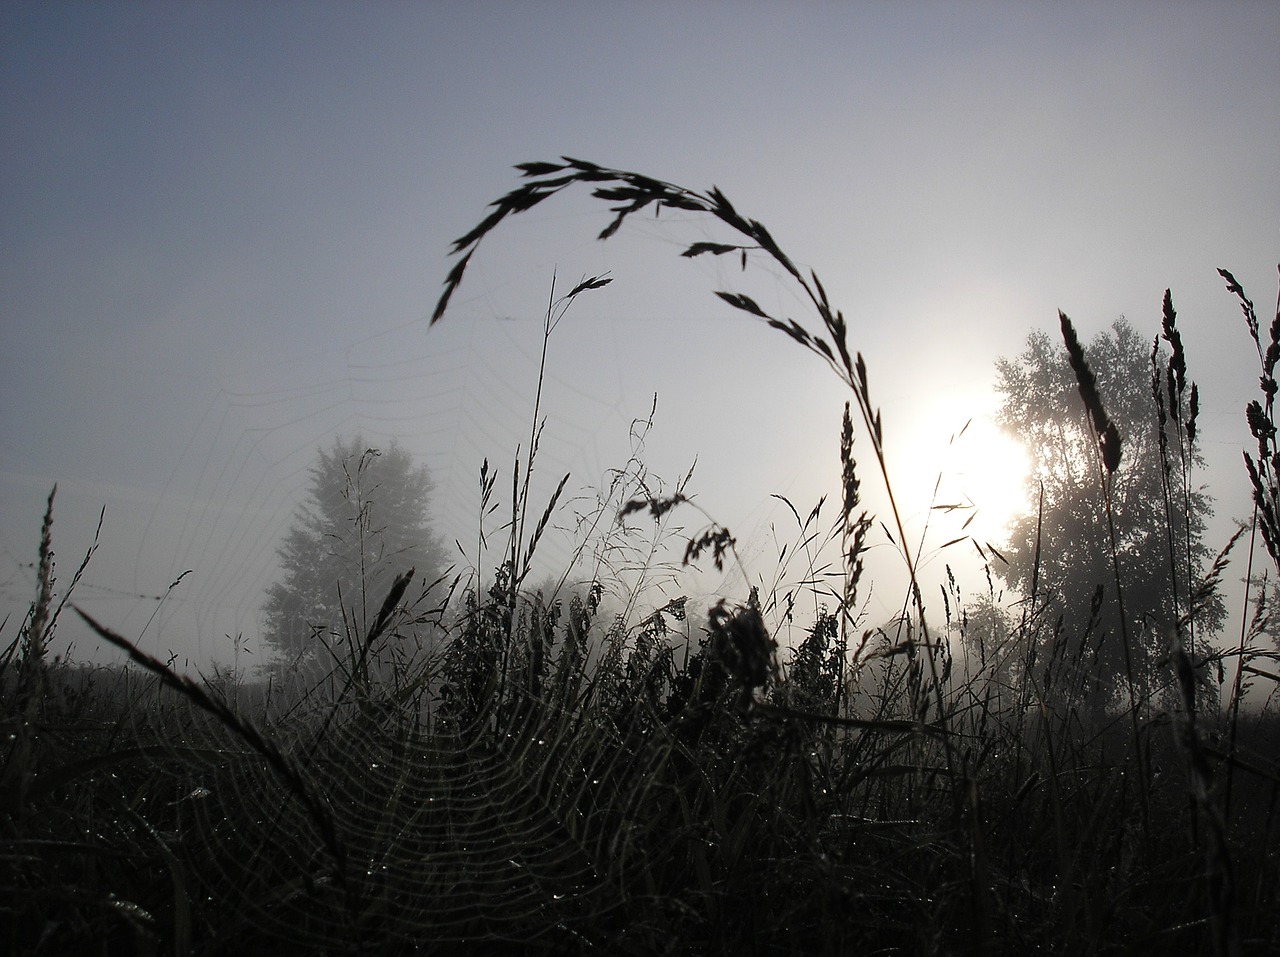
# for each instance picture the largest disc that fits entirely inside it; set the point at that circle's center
(989, 646)
(1060, 546)
(365, 522)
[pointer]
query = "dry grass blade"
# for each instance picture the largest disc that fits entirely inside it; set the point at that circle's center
(16, 773)
(317, 808)
(33, 653)
(1220, 870)
(542, 527)
(628, 193)
(389, 605)
(1106, 431)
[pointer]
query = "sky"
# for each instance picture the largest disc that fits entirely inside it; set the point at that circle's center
(223, 229)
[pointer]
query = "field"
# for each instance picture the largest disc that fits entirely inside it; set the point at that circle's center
(489, 767)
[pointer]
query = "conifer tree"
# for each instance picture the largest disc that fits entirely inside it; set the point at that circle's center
(365, 521)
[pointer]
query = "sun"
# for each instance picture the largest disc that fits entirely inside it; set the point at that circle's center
(969, 473)
(988, 471)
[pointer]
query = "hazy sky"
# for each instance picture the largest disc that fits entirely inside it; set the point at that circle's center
(223, 226)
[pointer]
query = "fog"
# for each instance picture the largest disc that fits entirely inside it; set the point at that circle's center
(224, 228)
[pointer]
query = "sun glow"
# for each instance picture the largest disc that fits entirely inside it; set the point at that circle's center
(990, 470)
(980, 480)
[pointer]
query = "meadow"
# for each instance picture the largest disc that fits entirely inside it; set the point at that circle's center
(489, 766)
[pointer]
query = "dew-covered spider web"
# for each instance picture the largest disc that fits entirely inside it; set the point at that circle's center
(505, 791)
(494, 763)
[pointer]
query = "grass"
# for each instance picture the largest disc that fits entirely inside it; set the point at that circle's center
(558, 772)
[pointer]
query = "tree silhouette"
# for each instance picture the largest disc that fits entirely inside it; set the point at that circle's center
(365, 521)
(1059, 547)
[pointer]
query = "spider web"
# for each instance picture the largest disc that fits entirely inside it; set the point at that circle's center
(374, 815)
(386, 822)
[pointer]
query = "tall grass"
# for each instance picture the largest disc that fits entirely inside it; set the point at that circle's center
(596, 765)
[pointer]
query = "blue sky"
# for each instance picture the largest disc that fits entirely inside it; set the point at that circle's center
(222, 228)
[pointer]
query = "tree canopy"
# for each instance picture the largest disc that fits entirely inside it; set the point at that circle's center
(1059, 547)
(364, 522)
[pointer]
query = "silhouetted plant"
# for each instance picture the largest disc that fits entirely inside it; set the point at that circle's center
(583, 768)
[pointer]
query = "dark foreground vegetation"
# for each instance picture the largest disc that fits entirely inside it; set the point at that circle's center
(484, 766)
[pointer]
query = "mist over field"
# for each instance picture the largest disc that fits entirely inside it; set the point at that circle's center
(827, 429)
(224, 233)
